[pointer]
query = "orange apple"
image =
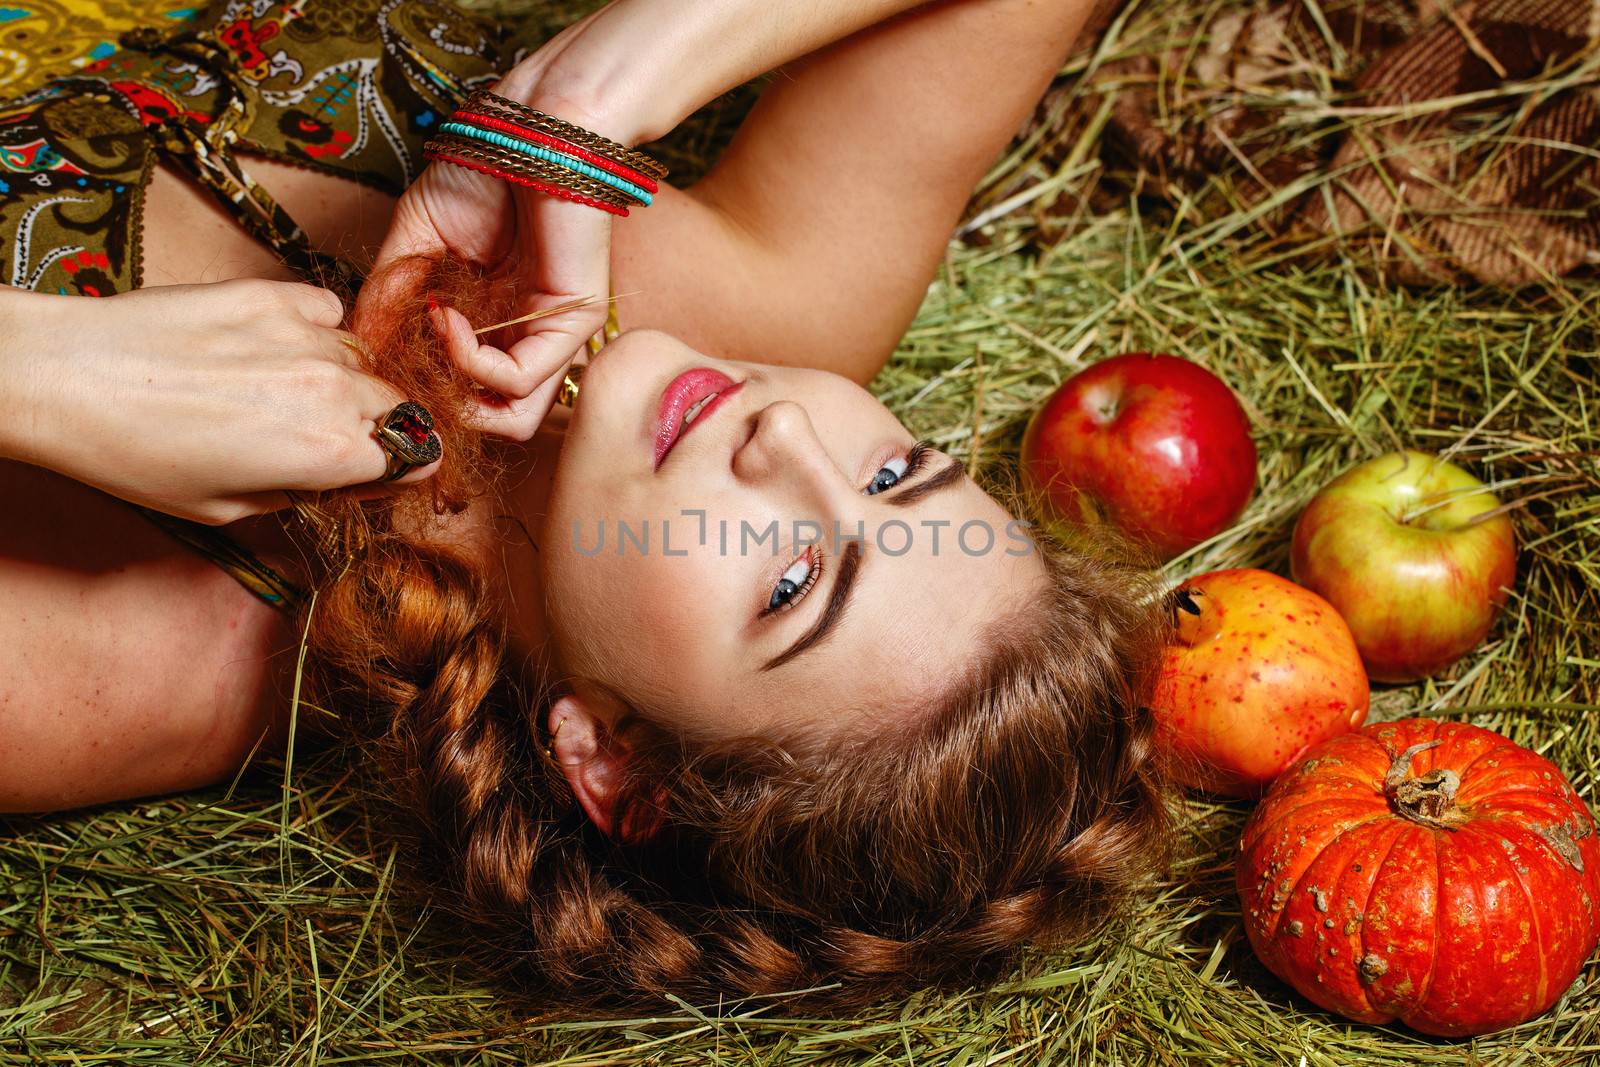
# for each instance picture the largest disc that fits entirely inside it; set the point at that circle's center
(1260, 670)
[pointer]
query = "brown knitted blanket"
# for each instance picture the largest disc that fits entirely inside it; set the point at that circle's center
(1455, 143)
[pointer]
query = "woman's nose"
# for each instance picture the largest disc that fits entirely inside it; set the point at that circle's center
(785, 448)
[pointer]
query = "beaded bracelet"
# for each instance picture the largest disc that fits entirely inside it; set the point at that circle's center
(512, 142)
(517, 144)
(487, 121)
(521, 179)
(528, 166)
(577, 135)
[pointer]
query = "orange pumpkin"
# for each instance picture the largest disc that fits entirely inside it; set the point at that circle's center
(1435, 873)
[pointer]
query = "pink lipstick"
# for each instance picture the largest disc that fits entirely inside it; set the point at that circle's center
(686, 402)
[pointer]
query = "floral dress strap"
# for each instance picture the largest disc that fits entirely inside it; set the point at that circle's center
(350, 88)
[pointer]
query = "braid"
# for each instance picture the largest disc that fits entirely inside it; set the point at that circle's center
(491, 820)
(1019, 810)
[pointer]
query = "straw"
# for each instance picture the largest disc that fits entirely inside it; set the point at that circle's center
(258, 923)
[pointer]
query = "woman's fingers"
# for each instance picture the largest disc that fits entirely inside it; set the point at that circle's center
(341, 347)
(382, 399)
(514, 375)
(518, 420)
(559, 253)
(484, 364)
(566, 283)
(374, 490)
(254, 386)
(316, 305)
(350, 454)
(345, 450)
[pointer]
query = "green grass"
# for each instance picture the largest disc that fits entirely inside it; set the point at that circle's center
(259, 924)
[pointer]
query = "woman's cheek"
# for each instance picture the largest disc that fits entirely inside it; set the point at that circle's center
(679, 603)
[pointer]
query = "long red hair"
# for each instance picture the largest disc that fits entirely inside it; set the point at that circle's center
(1021, 809)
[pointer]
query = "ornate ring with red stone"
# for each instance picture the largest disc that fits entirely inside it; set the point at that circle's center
(407, 437)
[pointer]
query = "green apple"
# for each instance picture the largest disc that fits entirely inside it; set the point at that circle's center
(1415, 554)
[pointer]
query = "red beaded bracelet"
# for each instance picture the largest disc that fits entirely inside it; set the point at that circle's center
(493, 122)
(521, 179)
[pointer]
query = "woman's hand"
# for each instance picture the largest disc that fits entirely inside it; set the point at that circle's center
(630, 71)
(559, 253)
(202, 401)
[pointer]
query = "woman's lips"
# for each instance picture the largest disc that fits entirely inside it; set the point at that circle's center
(681, 395)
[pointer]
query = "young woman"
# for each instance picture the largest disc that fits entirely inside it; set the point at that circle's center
(891, 749)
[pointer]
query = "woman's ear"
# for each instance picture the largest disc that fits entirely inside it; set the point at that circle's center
(593, 759)
(589, 756)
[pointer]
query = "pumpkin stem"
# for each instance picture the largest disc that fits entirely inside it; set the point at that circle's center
(1429, 799)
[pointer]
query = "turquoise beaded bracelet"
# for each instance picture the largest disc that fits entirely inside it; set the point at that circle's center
(637, 192)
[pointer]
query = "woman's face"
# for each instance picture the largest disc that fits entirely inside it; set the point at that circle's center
(787, 561)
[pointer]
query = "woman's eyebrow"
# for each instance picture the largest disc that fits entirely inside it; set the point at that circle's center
(838, 600)
(948, 475)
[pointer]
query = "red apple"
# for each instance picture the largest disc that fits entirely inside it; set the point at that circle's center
(1260, 670)
(1406, 547)
(1154, 444)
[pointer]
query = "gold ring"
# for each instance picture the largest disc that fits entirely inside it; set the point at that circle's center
(568, 396)
(407, 437)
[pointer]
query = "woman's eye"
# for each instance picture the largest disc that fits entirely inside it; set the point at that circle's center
(888, 476)
(795, 581)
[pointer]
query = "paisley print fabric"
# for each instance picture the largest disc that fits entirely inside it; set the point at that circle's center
(42, 39)
(350, 87)
(99, 91)
(72, 171)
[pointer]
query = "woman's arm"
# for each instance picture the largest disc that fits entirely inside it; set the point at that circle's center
(630, 71)
(635, 69)
(817, 232)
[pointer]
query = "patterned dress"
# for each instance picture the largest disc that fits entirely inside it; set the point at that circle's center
(100, 91)
(350, 87)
